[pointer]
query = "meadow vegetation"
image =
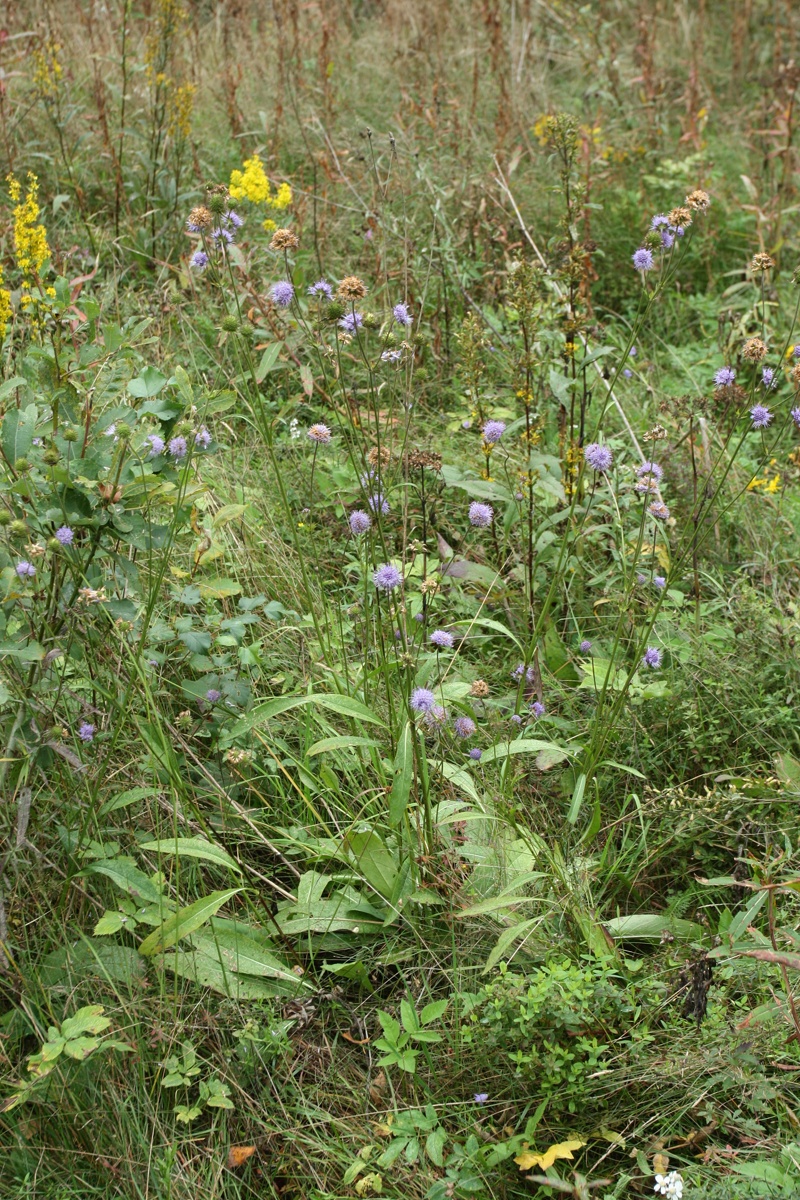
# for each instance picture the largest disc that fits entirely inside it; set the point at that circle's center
(399, 600)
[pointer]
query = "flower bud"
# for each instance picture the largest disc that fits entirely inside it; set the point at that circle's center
(370, 321)
(70, 434)
(218, 203)
(335, 310)
(51, 456)
(123, 431)
(5, 518)
(230, 323)
(53, 545)
(18, 528)
(21, 465)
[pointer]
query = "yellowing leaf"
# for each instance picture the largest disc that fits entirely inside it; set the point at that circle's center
(529, 1158)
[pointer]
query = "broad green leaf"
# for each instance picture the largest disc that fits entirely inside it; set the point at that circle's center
(493, 904)
(650, 926)
(128, 877)
(81, 1047)
(185, 921)
(194, 847)
(433, 1011)
(372, 858)
(126, 798)
(434, 1146)
(408, 1016)
(342, 742)
(228, 512)
(524, 746)
(218, 589)
(148, 384)
(347, 706)
(16, 435)
(110, 922)
(741, 921)
(529, 1158)
(245, 956)
(403, 775)
(268, 360)
(86, 1020)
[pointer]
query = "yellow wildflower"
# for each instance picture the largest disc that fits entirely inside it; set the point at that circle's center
(252, 184)
(269, 225)
(283, 197)
(5, 306)
(543, 129)
(181, 104)
(30, 239)
(47, 70)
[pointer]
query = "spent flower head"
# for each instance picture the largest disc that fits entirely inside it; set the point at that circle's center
(319, 433)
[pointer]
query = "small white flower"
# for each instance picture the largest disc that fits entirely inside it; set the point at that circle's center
(669, 1185)
(294, 428)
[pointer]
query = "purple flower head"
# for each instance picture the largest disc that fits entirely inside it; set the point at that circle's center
(475, 754)
(86, 731)
(598, 457)
(724, 377)
(585, 646)
(659, 582)
(652, 469)
(213, 695)
(422, 700)
(199, 260)
(387, 577)
(652, 657)
(321, 288)
(419, 617)
(627, 373)
(643, 259)
(632, 352)
(155, 445)
(359, 522)
(659, 510)
(480, 1097)
(234, 219)
(658, 220)
(518, 672)
(442, 640)
(760, 416)
(667, 239)
(436, 716)
(795, 415)
(391, 355)
(796, 351)
(202, 438)
(282, 293)
(493, 431)
(177, 447)
(222, 235)
(464, 727)
(65, 535)
(320, 434)
(378, 503)
(351, 321)
(768, 377)
(516, 719)
(25, 569)
(538, 709)
(641, 578)
(402, 315)
(480, 515)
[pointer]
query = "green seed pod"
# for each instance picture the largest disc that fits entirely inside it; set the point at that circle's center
(335, 310)
(5, 518)
(218, 203)
(18, 528)
(370, 321)
(230, 323)
(70, 434)
(53, 545)
(22, 465)
(421, 374)
(51, 456)
(123, 431)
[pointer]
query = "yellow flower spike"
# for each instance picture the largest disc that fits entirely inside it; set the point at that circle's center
(30, 240)
(5, 306)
